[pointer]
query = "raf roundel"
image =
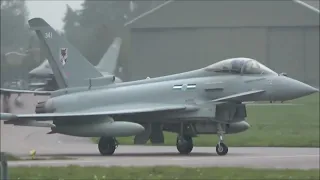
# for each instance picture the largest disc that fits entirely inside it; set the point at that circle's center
(184, 87)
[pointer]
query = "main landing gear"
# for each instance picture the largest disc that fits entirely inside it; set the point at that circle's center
(107, 145)
(184, 143)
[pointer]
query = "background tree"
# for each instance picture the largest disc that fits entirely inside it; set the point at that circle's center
(93, 28)
(14, 29)
(15, 37)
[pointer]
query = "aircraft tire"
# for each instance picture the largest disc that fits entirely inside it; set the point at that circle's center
(184, 144)
(221, 149)
(107, 146)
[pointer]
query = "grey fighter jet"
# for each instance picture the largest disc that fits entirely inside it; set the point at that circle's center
(107, 66)
(209, 100)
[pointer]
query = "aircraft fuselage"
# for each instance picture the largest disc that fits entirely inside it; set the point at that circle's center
(196, 92)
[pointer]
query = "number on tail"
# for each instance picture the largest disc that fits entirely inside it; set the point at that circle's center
(48, 35)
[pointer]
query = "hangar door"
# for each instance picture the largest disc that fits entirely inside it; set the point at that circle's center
(158, 52)
(286, 51)
(312, 55)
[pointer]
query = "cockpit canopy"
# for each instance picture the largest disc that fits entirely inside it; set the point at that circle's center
(240, 66)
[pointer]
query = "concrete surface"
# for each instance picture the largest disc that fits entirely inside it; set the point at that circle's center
(88, 155)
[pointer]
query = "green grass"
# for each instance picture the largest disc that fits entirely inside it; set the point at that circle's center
(287, 126)
(153, 173)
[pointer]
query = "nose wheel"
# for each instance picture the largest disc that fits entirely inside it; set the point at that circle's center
(221, 148)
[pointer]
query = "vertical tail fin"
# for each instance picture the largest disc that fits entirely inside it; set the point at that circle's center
(69, 66)
(109, 60)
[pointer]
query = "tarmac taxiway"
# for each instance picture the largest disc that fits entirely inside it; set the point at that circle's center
(88, 155)
(81, 151)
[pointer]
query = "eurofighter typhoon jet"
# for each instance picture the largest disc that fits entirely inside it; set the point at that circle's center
(210, 100)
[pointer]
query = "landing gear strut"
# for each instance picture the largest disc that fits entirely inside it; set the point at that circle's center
(156, 136)
(107, 145)
(221, 148)
(184, 144)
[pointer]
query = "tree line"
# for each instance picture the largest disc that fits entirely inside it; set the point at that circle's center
(90, 29)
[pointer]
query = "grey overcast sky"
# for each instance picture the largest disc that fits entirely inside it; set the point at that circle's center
(51, 11)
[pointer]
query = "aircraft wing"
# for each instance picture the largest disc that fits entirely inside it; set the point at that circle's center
(101, 111)
(239, 96)
(14, 91)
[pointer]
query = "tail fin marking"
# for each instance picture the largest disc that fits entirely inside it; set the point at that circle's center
(70, 67)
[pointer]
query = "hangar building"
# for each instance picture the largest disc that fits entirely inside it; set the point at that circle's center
(179, 36)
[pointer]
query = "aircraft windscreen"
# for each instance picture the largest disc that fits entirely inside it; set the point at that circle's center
(240, 66)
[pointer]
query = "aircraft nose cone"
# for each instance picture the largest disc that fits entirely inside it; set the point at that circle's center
(313, 90)
(303, 89)
(297, 89)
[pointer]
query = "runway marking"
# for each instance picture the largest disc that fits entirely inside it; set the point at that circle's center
(273, 104)
(65, 162)
(232, 158)
(255, 157)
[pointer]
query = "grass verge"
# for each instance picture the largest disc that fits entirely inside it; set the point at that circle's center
(154, 173)
(272, 125)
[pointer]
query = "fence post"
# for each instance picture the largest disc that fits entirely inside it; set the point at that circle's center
(4, 167)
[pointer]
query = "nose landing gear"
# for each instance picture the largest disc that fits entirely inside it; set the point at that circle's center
(221, 148)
